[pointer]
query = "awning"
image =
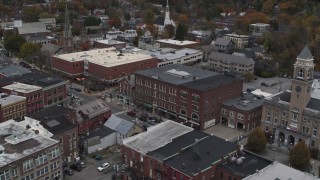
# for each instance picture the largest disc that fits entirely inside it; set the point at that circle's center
(147, 105)
(183, 117)
(172, 113)
(161, 109)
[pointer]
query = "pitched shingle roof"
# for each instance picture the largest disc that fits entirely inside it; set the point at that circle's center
(305, 53)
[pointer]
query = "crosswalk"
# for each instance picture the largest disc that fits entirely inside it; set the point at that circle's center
(121, 112)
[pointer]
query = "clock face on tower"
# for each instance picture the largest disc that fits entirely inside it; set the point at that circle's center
(298, 89)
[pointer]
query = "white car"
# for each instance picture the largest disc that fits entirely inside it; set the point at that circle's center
(103, 166)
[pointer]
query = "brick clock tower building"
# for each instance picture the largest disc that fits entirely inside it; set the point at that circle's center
(294, 115)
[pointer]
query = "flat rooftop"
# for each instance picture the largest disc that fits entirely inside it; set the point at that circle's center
(201, 155)
(109, 41)
(13, 70)
(11, 99)
(164, 55)
(156, 137)
(176, 73)
(17, 141)
(176, 42)
(107, 57)
(278, 171)
(248, 164)
(246, 102)
(22, 88)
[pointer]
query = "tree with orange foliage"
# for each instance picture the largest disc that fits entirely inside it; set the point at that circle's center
(268, 6)
(85, 45)
(114, 22)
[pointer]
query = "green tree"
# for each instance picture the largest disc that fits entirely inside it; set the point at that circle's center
(181, 32)
(249, 77)
(299, 156)
(28, 49)
(13, 43)
(92, 21)
(148, 17)
(257, 140)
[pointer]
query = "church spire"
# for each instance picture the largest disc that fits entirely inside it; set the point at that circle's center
(67, 28)
(167, 11)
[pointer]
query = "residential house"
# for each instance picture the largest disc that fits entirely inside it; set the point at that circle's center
(146, 42)
(224, 45)
(122, 127)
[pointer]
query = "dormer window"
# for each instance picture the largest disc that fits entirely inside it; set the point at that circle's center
(300, 73)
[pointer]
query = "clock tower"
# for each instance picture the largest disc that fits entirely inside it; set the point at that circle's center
(300, 87)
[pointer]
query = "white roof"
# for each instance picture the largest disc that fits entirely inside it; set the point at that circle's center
(280, 171)
(259, 92)
(19, 139)
(107, 57)
(176, 42)
(157, 136)
(33, 27)
(11, 99)
(167, 54)
(23, 88)
(109, 41)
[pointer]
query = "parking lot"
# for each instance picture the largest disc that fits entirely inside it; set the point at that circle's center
(91, 169)
(279, 84)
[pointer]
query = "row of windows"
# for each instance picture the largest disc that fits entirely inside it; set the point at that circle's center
(14, 108)
(40, 159)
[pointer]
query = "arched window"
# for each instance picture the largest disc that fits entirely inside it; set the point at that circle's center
(300, 73)
(194, 116)
(183, 111)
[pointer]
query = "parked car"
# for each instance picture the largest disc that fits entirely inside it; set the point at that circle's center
(131, 113)
(144, 117)
(68, 172)
(103, 166)
(152, 120)
(81, 164)
(75, 167)
(69, 94)
(264, 84)
(77, 89)
(24, 64)
(98, 157)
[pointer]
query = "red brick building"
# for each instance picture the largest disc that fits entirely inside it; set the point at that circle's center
(106, 64)
(92, 115)
(12, 107)
(60, 121)
(191, 95)
(54, 90)
(242, 113)
(31, 92)
(170, 43)
(171, 150)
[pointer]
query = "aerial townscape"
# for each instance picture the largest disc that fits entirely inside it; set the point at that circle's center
(159, 89)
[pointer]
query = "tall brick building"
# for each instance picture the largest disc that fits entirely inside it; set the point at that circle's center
(192, 95)
(106, 64)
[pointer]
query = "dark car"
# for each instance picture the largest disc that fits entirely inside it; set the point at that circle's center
(131, 113)
(77, 89)
(81, 164)
(264, 84)
(144, 117)
(68, 172)
(75, 167)
(24, 64)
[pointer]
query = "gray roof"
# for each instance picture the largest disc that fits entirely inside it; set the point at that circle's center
(305, 53)
(11, 99)
(250, 164)
(231, 58)
(52, 48)
(13, 70)
(156, 137)
(33, 27)
(201, 155)
(222, 41)
(162, 74)
(118, 124)
(212, 82)
(102, 132)
(91, 109)
(245, 103)
(177, 144)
